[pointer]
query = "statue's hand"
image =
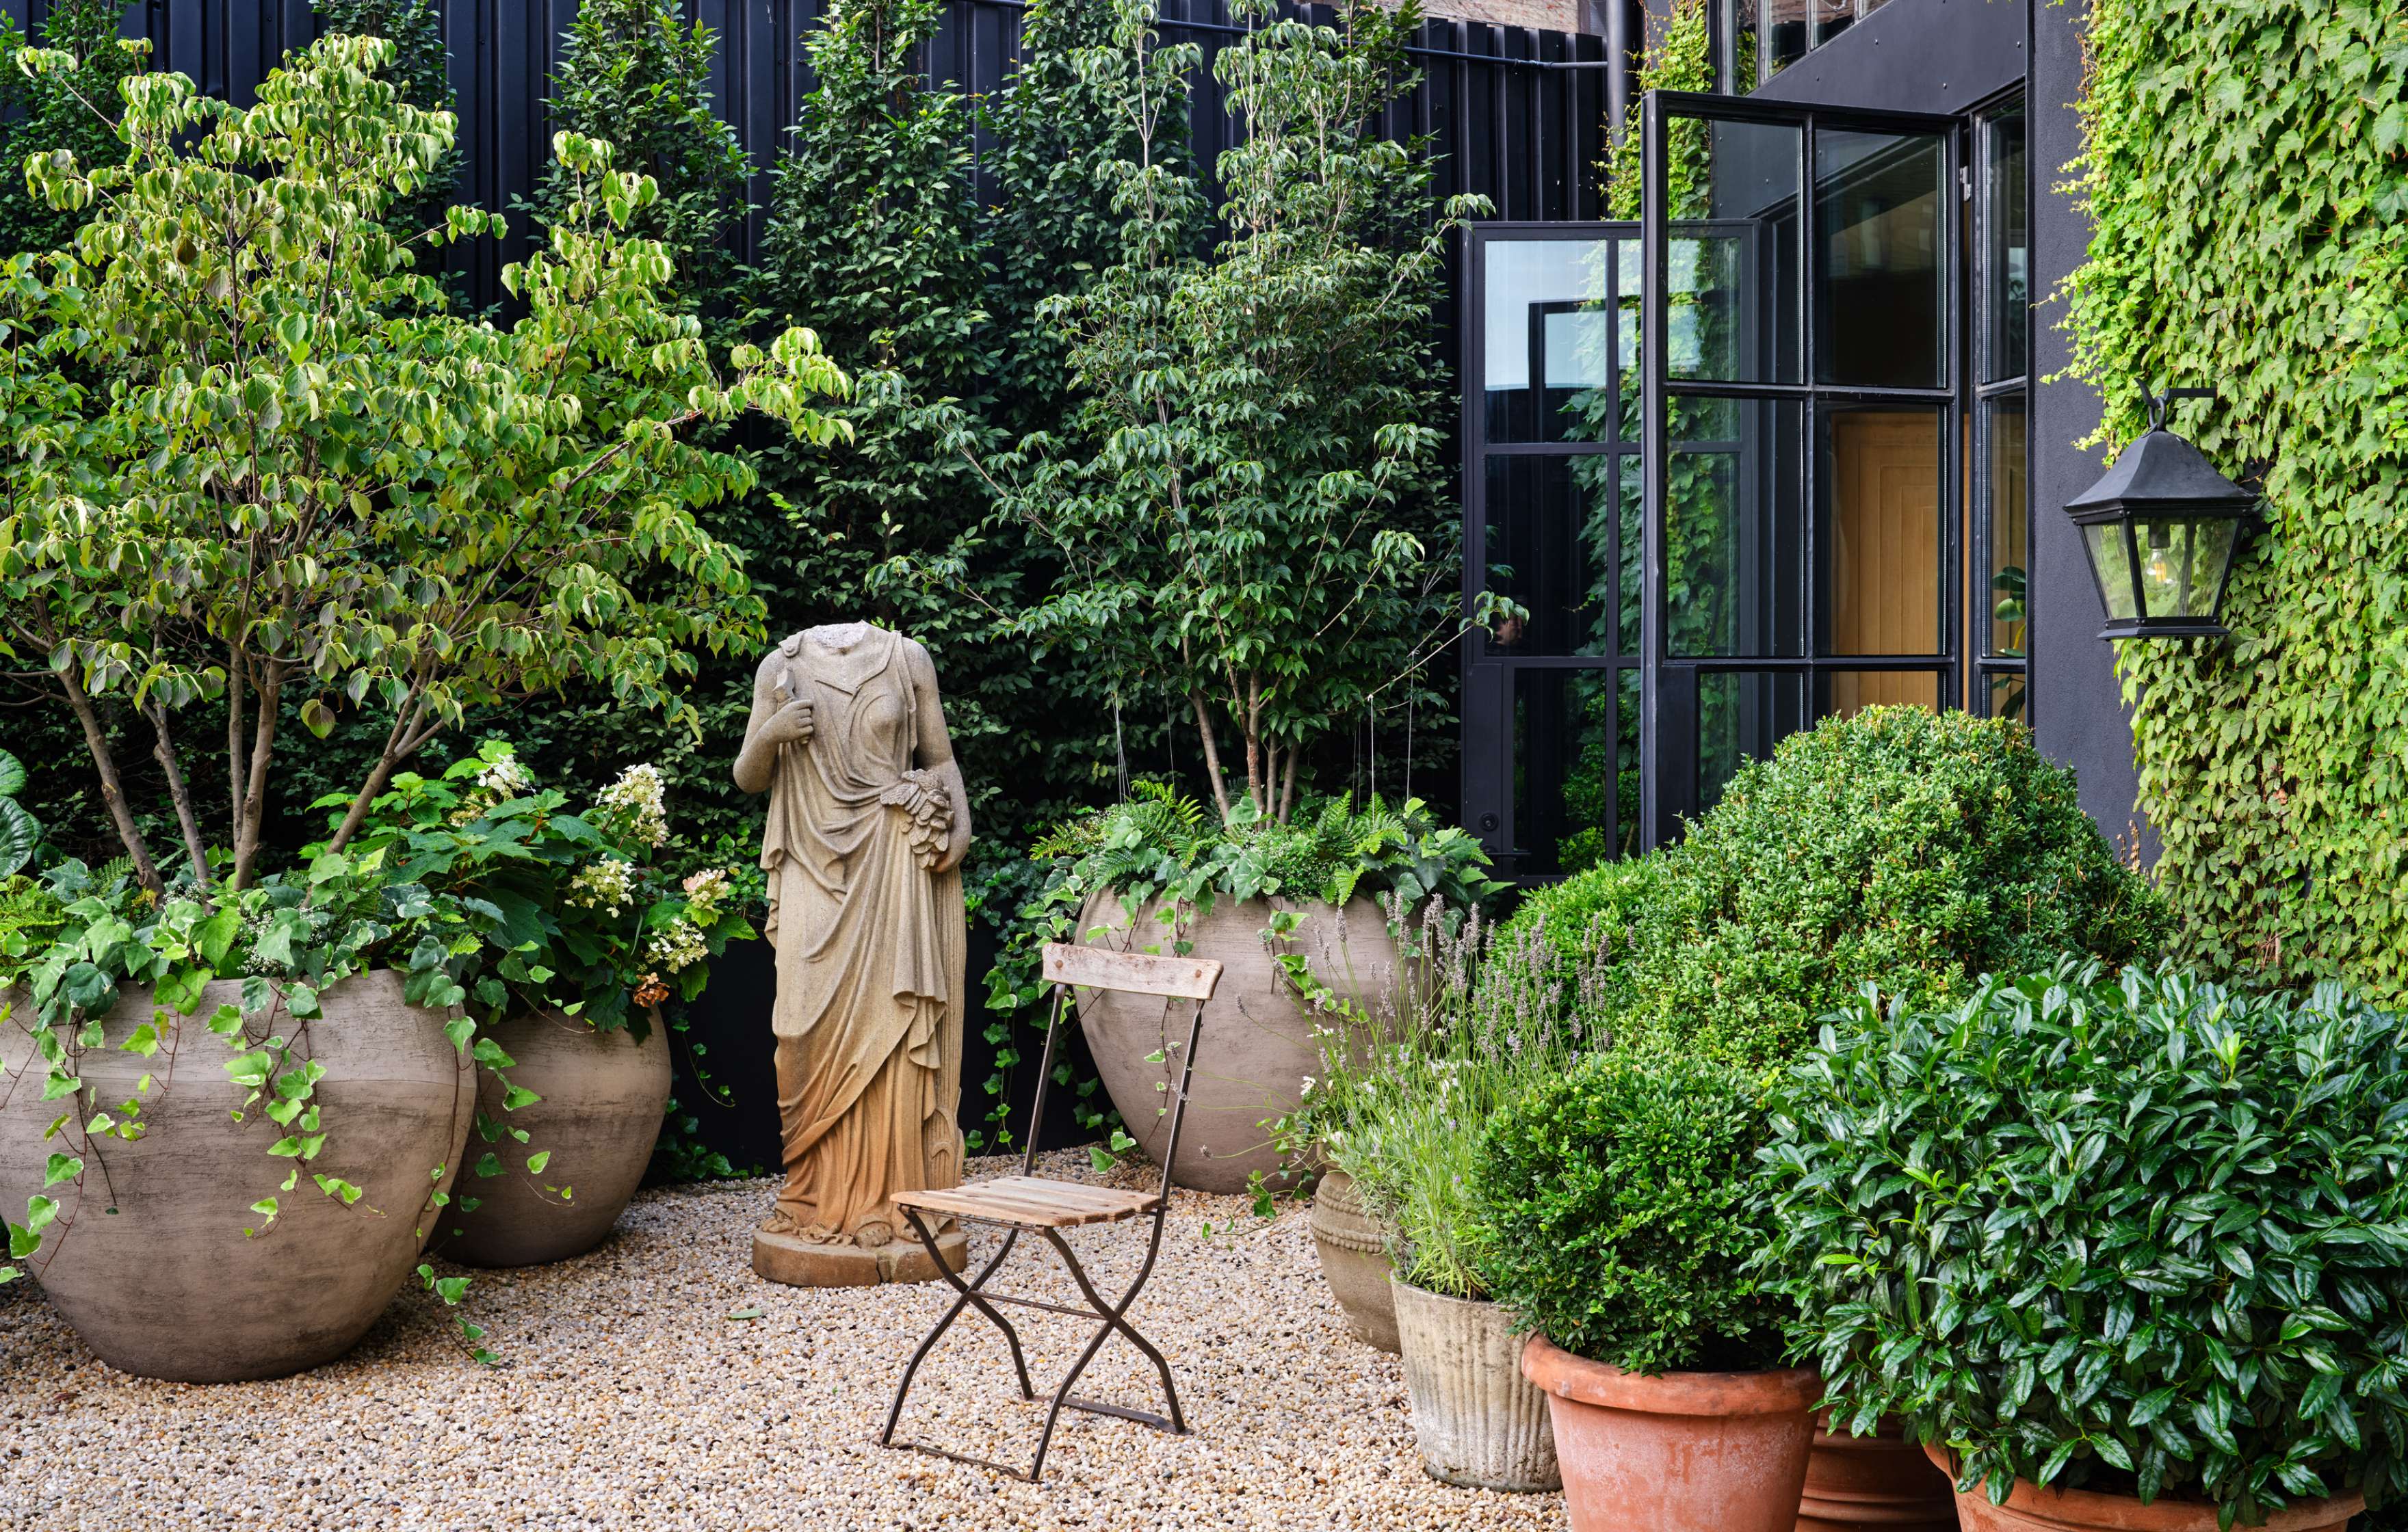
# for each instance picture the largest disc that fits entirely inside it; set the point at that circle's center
(789, 725)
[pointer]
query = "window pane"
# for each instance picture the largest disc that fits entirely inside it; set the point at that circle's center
(1731, 259)
(1551, 548)
(1880, 304)
(1780, 35)
(1846, 693)
(1831, 18)
(1741, 716)
(1880, 545)
(2009, 694)
(1547, 341)
(1575, 768)
(2005, 504)
(2006, 249)
(1631, 591)
(1734, 539)
(2111, 560)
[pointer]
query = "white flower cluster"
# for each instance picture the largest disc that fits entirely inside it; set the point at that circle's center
(679, 947)
(705, 892)
(609, 884)
(504, 775)
(635, 800)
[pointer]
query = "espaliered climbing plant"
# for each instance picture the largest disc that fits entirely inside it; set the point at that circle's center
(2245, 170)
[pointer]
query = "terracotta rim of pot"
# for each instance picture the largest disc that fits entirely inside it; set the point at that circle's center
(2083, 1508)
(1781, 1391)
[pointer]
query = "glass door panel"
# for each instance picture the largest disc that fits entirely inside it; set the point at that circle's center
(1547, 318)
(1879, 530)
(1555, 525)
(1881, 297)
(1734, 529)
(1576, 773)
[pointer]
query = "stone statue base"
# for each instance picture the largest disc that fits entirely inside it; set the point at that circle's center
(801, 1262)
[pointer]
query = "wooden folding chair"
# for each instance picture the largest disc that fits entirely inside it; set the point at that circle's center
(1025, 1202)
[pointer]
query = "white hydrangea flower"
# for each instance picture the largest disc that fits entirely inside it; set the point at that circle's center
(635, 798)
(705, 892)
(608, 885)
(507, 776)
(678, 948)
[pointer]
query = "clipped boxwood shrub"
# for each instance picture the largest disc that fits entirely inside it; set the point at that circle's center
(2146, 1234)
(1910, 849)
(1611, 1209)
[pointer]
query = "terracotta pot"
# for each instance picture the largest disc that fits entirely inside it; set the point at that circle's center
(1257, 1046)
(164, 1284)
(1477, 1422)
(1354, 1260)
(603, 1096)
(1878, 1483)
(2030, 1507)
(1682, 1453)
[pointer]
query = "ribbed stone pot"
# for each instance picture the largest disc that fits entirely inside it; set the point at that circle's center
(1478, 1422)
(168, 1285)
(1257, 1045)
(1679, 1452)
(603, 1096)
(2030, 1507)
(1354, 1260)
(1878, 1483)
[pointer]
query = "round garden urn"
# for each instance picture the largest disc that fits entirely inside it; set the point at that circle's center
(602, 1098)
(1257, 1047)
(150, 1258)
(1679, 1452)
(2030, 1507)
(1354, 1250)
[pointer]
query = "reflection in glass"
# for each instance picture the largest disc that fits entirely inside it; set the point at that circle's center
(1880, 545)
(2009, 527)
(1780, 35)
(1731, 261)
(2009, 694)
(1734, 531)
(1846, 693)
(1632, 591)
(2111, 560)
(1880, 306)
(1551, 548)
(2006, 298)
(1547, 338)
(2181, 563)
(1575, 768)
(1741, 716)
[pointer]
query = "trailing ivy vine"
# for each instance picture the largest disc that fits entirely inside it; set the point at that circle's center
(2247, 173)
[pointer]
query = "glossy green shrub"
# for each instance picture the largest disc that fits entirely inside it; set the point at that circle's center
(2245, 168)
(1913, 850)
(2147, 1234)
(1613, 1209)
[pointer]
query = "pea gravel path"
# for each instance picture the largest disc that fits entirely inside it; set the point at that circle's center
(630, 1399)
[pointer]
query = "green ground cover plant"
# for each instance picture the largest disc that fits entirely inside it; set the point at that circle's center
(2142, 1232)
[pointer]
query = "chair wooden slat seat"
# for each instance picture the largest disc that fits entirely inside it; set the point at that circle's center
(1041, 1207)
(1034, 1202)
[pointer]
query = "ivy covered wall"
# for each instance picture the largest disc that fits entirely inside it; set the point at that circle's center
(2246, 172)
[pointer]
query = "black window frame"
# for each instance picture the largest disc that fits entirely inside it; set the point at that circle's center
(1987, 668)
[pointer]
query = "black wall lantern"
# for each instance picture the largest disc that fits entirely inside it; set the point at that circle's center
(2161, 529)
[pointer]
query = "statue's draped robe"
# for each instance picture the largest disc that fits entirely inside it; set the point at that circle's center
(870, 950)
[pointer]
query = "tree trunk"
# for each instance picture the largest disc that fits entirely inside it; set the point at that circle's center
(112, 789)
(1211, 755)
(400, 743)
(164, 749)
(254, 800)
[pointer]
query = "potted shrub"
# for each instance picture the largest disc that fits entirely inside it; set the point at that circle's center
(1295, 914)
(1613, 1213)
(309, 489)
(589, 938)
(2121, 1252)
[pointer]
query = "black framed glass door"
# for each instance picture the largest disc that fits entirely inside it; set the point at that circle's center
(1801, 433)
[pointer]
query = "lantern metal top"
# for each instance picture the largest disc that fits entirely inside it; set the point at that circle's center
(2160, 530)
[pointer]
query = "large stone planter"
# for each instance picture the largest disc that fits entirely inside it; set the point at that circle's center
(1878, 1483)
(1354, 1260)
(2030, 1507)
(1257, 1046)
(603, 1096)
(1680, 1451)
(149, 1261)
(1476, 1420)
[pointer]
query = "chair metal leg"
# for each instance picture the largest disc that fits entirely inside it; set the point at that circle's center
(970, 1294)
(1111, 1314)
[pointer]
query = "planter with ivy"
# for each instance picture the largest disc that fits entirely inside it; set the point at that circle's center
(588, 938)
(1307, 918)
(2122, 1251)
(1615, 1214)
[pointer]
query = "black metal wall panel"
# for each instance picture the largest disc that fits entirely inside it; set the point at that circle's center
(1507, 116)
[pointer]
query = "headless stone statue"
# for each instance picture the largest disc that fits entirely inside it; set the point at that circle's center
(868, 825)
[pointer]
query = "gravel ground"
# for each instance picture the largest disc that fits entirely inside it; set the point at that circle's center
(630, 1398)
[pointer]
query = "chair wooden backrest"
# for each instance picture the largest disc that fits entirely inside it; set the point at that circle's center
(1068, 968)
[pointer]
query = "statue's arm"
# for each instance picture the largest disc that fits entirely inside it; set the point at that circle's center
(936, 754)
(758, 760)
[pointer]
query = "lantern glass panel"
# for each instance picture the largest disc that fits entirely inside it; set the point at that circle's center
(2111, 559)
(2181, 565)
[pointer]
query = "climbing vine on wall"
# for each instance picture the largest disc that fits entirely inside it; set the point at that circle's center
(2246, 172)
